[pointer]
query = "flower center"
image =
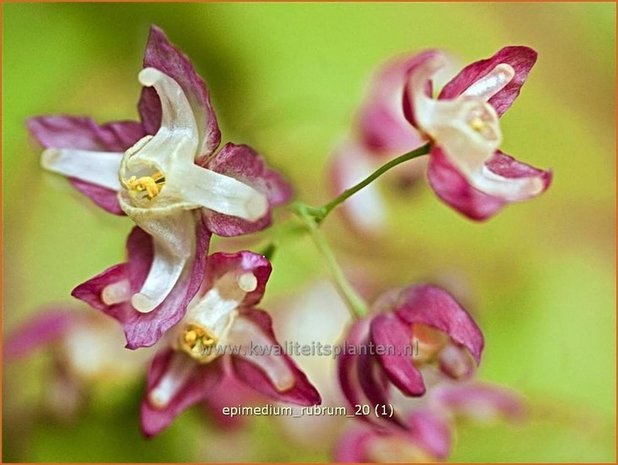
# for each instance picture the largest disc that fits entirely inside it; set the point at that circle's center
(428, 343)
(481, 120)
(209, 319)
(145, 186)
(198, 341)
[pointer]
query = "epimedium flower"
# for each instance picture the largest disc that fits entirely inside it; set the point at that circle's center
(406, 331)
(466, 168)
(222, 334)
(463, 126)
(165, 172)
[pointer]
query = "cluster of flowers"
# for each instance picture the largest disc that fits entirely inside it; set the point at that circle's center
(169, 174)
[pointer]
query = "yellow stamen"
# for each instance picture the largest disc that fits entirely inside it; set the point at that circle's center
(198, 342)
(151, 184)
(477, 124)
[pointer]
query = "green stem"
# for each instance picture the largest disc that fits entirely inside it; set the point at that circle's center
(322, 212)
(356, 304)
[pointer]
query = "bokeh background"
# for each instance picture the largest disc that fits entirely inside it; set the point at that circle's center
(285, 78)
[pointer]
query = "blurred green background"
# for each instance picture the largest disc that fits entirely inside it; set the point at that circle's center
(286, 78)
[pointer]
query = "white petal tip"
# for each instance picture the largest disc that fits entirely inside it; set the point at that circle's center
(142, 303)
(49, 158)
(257, 207)
(116, 293)
(158, 399)
(247, 282)
(149, 76)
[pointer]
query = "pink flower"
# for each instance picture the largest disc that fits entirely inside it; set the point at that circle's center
(466, 168)
(111, 291)
(407, 330)
(222, 334)
(165, 172)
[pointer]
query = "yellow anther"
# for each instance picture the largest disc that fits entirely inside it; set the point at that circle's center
(151, 184)
(477, 124)
(198, 342)
(190, 337)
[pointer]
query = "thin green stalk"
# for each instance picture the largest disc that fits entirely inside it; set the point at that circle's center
(322, 212)
(356, 304)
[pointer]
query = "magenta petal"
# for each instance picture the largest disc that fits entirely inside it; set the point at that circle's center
(145, 329)
(43, 328)
(221, 263)
(372, 380)
(433, 306)
(107, 199)
(432, 432)
(522, 60)
(457, 192)
(83, 133)
(72, 132)
(162, 55)
(197, 386)
(301, 393)
(352, 447)
(382, 123)
(508, 167)
(347, 363)
(243, 163)
(91, 290)
(395, 339)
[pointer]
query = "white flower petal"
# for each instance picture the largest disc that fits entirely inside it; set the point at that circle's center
(217, 192)
(100, 168)
(174, 243)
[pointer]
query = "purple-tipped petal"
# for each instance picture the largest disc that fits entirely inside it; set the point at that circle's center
(43, 328)
(184, 383)
(520, 58)
(455, 190)
(243, 163)
(91, 291)
(145, 329)
(432, 432)
(395, 339)
(382, 124)
(162, 55)
(481, 401)
(84, 134)
(220, 263)
(250, 370)
(73, 132)
(433, 306)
